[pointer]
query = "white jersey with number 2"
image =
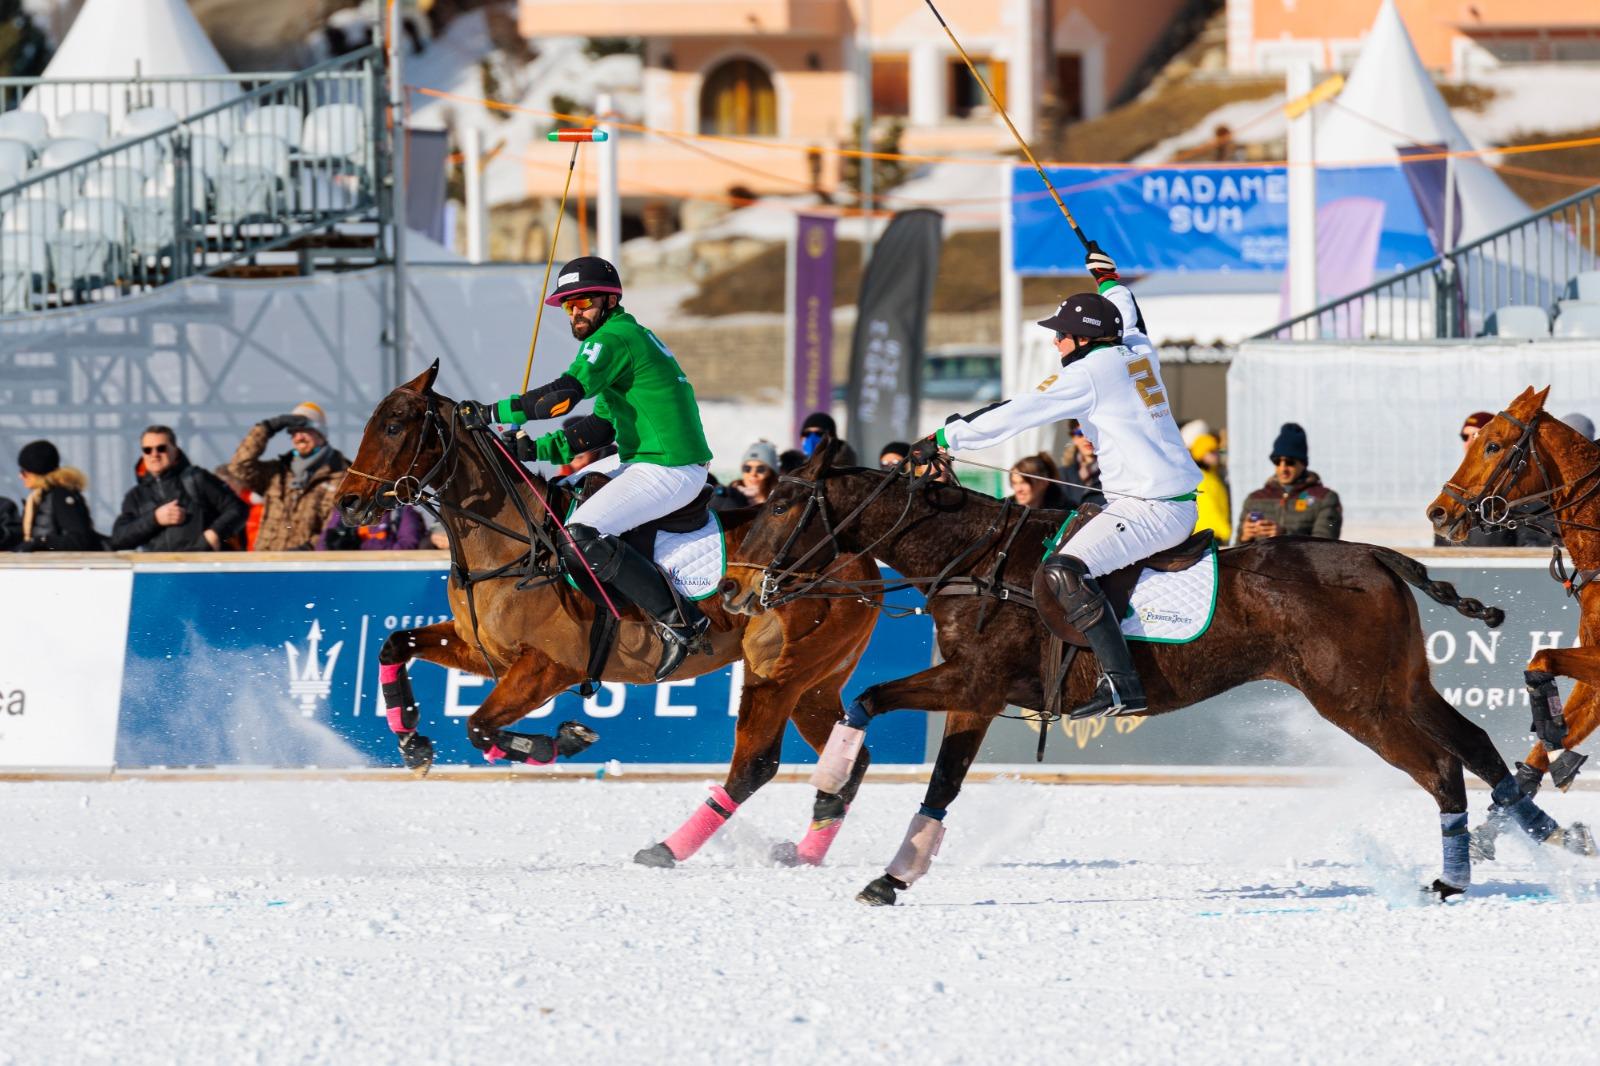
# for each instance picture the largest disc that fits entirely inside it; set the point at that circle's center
(1117, 395)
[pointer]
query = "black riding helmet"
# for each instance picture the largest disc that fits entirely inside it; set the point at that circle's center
(585, 275)
(1087, 315)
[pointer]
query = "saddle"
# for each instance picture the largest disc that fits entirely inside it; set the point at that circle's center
(1119, 584)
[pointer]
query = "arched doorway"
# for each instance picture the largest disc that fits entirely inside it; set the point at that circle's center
(737, 100)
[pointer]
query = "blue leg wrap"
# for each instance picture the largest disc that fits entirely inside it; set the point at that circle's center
(936, 813)
(1457, 850)
(1507, 796)
(855, 715)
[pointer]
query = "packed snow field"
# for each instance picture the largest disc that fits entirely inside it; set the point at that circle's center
(374, 922)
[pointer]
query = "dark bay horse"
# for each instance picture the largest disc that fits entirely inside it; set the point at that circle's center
(1523, 457)
(1335, 620)
(535, 641)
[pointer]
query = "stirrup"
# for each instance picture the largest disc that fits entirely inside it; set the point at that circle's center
(1110, 701)
(677, 642)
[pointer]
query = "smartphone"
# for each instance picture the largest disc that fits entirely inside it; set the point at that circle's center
(1254, 516)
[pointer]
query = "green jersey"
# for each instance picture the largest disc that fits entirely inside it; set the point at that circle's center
(638, 387)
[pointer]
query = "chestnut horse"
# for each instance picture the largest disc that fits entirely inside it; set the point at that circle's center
(1335, 620)
(535, 640)
(1520, 460)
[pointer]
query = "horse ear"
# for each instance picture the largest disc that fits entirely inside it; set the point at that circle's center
(423, 382)
(1539, 398)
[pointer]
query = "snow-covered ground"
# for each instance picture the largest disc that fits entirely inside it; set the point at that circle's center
(371, 922)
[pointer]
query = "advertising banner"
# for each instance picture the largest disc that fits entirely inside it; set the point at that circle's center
(811, 312)
(886, 350)
(62, 635)
(278, 666)
(1477, 669)
(1206, 218)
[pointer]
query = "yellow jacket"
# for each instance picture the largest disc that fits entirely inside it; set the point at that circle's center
(1213, 504)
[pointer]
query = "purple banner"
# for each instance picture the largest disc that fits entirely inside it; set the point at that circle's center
(811, 305)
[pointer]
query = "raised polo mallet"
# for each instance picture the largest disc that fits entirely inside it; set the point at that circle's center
(1007, 118)
(575, 137)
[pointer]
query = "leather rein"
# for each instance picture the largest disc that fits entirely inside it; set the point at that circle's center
(1492, 509)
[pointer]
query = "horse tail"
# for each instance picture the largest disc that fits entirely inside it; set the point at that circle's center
(1415, 574)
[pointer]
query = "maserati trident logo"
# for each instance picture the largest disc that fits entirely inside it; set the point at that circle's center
(311, 683)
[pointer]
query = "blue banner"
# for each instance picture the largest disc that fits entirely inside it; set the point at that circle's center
(1195, 219)
(280, 668)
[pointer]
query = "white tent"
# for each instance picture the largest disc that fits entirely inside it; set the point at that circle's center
(1388, 101)
(132, 39)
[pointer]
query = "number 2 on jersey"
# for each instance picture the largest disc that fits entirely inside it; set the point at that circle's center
(1144, 378)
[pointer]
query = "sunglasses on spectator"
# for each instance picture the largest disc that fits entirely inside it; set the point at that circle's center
(1284, 460)
(757, 468)
(889, 464)
(578, 303)
(1469, 436)
(157, 449)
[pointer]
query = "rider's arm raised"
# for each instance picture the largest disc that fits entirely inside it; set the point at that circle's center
(1066, 394)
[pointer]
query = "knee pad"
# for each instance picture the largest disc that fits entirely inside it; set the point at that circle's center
(602, 553)
(1068, 577)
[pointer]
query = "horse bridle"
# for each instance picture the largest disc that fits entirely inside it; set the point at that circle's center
(408, 488)
(1491, 507)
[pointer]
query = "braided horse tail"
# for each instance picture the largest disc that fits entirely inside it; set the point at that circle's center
(1415, 574)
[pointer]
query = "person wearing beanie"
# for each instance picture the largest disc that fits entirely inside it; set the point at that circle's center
(298, 488)
(55, 516)
(1213, 501)
(1580, 422)
(1294, 501)
(758, 473)
(812, 430)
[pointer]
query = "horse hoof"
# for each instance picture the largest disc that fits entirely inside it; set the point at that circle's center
(1564, 770)
(572, 738)
(417, 751)
(785, 853)
(1577, 839)
(1442, 891)
(658, 855)
(880, 893)
(1481, 843)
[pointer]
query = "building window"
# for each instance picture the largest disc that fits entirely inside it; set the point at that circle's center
(966, 95)
(1069, 87)
(891, 86)
(737, 100)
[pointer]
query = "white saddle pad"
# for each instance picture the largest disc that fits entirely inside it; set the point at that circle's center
(1173, 608)
(695, 561)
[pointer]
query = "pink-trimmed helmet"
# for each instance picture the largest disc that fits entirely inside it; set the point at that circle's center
(585, 275)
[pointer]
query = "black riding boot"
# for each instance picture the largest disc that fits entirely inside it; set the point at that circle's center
(641, 582)
(1119, 692)
(680, 621)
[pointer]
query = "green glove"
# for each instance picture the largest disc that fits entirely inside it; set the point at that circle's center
(510, 413)
(553, 448)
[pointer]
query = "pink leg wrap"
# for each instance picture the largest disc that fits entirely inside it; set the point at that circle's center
(388, 674)
(818, 839)
(923, 837)
(691, 836)
(838, 758)
(495, 753)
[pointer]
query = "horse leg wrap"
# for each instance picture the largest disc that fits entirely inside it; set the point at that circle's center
(813, 847)
(1457, 850)
(1544, 699)
(837, 758)
(399, 704)
(1529, 779)
(923, 837)
(1564, 766)
(536, 749)
(1508, 798)
(707, 818)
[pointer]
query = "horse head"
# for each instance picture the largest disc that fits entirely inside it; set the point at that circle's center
(1509, 460)
(402, 449)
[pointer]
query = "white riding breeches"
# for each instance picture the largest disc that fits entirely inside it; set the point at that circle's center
(636, 493)
(1130, 530)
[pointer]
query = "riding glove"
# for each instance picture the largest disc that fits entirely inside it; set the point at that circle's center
(1101, 266)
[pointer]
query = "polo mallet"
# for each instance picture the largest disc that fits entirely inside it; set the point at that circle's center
(575, 137)
(1007, 119)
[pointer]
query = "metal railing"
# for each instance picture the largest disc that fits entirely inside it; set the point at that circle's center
(1531, 263)
(174, 193)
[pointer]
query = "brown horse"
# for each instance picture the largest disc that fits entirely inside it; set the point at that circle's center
(535, 641)
(1522, 459)
(1333, 619)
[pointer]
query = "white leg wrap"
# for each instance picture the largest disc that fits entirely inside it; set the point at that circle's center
(923, 837)
(838, 758)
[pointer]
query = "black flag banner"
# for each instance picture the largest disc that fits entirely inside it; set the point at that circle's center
(886, 352)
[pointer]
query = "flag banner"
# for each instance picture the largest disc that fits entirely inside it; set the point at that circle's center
(1203, 218)
(811, 311)
(886, 350)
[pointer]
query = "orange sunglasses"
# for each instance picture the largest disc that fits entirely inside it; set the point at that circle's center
(578, 303)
